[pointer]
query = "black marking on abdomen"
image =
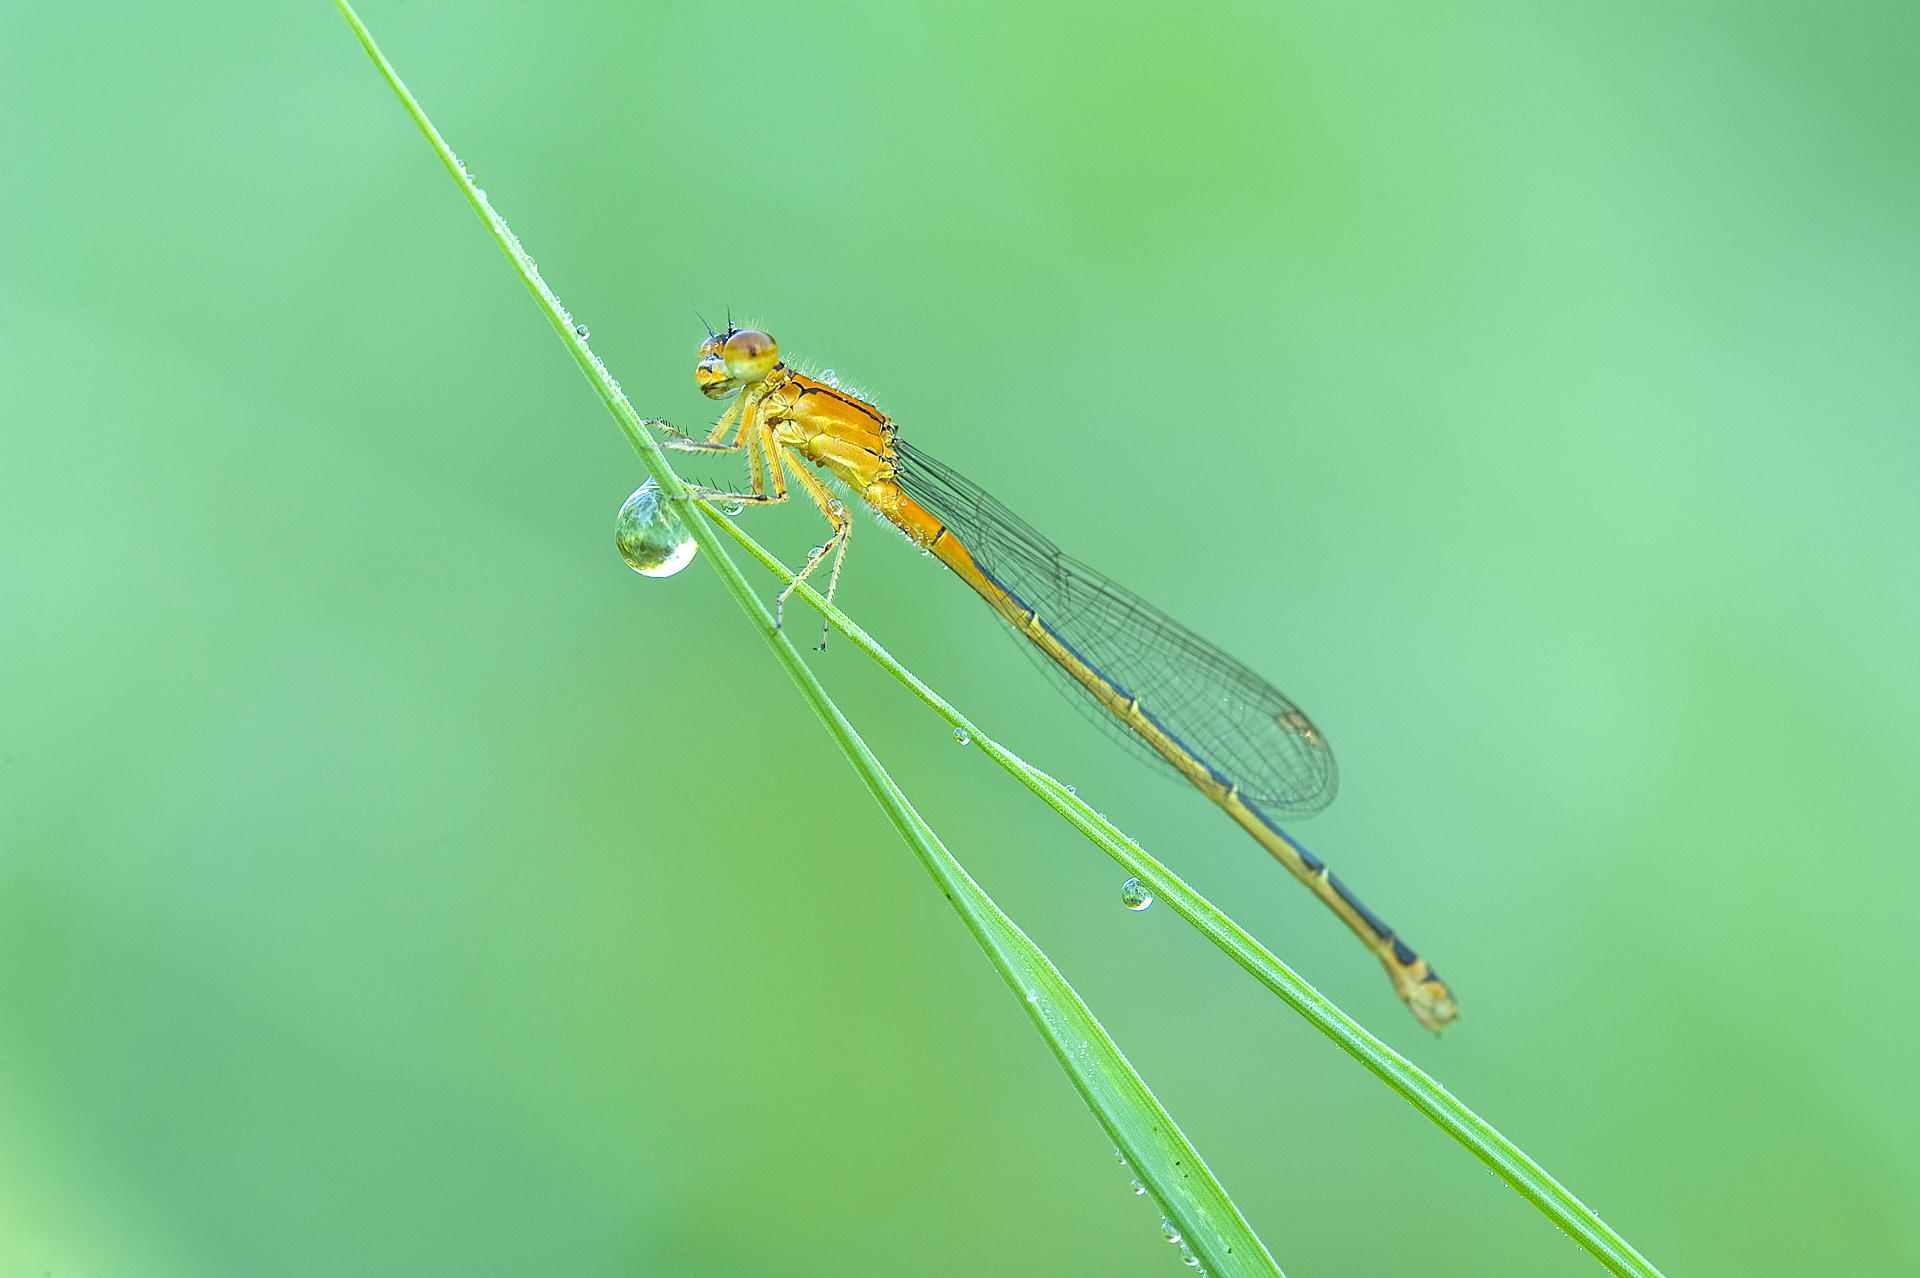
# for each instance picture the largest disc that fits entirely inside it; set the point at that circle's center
(1401, 950)
(1374, 921)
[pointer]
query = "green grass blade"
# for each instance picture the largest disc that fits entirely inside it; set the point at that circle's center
(1153, 1145)
(1506, 1160)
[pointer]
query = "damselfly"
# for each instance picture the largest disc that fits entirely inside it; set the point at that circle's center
(1161, 689)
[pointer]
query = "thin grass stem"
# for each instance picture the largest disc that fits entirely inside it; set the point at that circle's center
(1187, 1192)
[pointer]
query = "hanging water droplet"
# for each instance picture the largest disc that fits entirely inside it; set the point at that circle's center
(1187, 1256)
(1075, 793)
(1116, 1153)
(580, 331)
(837, 507)
(826, 375)
(1134, 895)
(961, 737)
(1171, 1230)
(816, 552)
(926, 554)
(650, 535)
(733, 508)
(1139, 1188)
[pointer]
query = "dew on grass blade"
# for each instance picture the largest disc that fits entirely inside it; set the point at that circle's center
(580, 331)
(651, 537)
(1139, 1188)
(1134, 895)
(960, 737)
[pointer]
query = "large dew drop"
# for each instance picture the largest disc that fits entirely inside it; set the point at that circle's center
(1134, 895)
(650, 535)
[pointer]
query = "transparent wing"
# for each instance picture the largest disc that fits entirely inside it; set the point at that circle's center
(1236, 723)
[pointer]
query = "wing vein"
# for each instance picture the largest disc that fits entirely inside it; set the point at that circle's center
(1244, 730)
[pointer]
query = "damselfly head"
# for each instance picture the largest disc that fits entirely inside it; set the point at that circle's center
(738, 357)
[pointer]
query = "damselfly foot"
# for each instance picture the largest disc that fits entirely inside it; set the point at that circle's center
(730, 503)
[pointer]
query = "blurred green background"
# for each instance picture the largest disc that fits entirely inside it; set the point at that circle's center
(392, 882)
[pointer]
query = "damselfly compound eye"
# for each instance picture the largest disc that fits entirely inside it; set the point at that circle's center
(750, 355)
(650, 535)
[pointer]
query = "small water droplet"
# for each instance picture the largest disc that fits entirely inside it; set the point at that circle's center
(1122, 1158)
(1187, 1256)
(826, 375)
(1075, 793)
(1139, 1188)
(733, 508)
(580, 331)
(960, 736)
(926, 554)
(837, 507)
(1171, 1230)
(816, 552)
(1134, 895)
(650, 535)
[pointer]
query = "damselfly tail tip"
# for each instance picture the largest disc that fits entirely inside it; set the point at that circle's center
(1427, 996)
(1431, 1003)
